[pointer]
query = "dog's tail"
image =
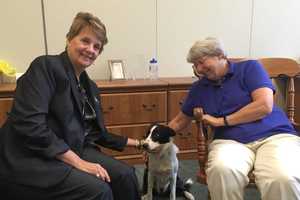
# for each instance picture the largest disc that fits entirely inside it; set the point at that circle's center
(186, 192)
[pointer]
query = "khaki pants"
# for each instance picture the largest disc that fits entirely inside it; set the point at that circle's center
(276, 163)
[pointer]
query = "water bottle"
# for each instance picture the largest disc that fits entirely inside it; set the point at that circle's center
(153, 69)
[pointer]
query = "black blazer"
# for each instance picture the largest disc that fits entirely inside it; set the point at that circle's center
(46, 120)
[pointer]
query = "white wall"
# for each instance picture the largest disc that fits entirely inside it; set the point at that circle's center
(276, 28)
(181, 23)
(130, 26)
(141, 29)
(21, 32)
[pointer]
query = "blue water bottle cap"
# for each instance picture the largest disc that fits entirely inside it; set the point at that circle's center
(153, 61)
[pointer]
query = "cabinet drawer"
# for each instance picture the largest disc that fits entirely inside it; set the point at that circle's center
(129, 108)
(132, 131)
(5, 107)
(175, 101)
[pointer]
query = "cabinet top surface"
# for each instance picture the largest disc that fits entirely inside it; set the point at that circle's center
(106, 85)
(146, 82)
(129, 83)
(7, 87)
(180, 80)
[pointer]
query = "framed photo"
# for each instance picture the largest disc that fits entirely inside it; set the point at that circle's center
(116, 68)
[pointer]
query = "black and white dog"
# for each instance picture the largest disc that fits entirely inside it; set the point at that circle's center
(160, 176)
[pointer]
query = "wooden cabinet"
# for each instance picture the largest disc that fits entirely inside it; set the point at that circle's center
(130, 106)
(5, 106)
(6, 100)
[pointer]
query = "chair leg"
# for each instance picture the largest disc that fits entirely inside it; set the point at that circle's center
(208, 195)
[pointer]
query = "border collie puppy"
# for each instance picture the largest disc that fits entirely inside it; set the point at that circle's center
(160, 176)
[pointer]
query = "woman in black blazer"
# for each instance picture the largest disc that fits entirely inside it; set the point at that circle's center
(48, 143)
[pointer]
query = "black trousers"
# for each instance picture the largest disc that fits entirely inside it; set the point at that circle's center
(82, 186)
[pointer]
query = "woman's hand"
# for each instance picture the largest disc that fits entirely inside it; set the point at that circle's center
(95, 169)
(92, 168)
(213, 121)
(135, 143)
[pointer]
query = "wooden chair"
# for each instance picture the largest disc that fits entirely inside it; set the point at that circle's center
(283, 70)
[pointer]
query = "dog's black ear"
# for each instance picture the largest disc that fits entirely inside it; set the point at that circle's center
(169, 130)
(148, 131)
(172, 132)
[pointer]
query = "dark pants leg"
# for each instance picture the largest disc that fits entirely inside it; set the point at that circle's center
(82, 186)
(77, 186)
(124, 182)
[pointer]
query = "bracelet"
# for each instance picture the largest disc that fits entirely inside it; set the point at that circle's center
(225, 121)
(138, 144)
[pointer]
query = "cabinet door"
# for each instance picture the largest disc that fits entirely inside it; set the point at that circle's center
(175, 101)
(134, 108)
(5, 107)
(187, 138)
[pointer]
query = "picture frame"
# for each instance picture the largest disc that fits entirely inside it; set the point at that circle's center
(116, 67)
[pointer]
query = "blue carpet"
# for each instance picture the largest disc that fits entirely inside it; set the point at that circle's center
(188, 169)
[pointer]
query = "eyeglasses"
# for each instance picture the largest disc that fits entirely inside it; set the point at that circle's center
(196, 73)
(88, 111)
(200, 61)
(195, 65)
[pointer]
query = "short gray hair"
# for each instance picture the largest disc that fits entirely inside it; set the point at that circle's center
(208, 47)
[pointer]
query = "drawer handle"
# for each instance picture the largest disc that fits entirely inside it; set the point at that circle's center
(185, 135)
(188, 133)
(180, 103)
(110, 108)
(149, 107)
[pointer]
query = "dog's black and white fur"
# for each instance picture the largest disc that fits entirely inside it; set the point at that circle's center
(160, 176)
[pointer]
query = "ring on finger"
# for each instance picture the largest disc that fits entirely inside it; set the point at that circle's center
(98, 175)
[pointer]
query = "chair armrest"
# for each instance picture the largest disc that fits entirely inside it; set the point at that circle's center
(198, 113)
(201, 139)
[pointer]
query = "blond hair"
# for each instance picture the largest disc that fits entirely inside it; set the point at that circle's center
(85, 19)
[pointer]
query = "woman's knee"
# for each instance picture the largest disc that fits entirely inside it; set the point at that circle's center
(126, 171)
(232, 177)
(284, 178)
(126, 187)
(126, 178)
(99, 191)
(105, 193)
(282, 185)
